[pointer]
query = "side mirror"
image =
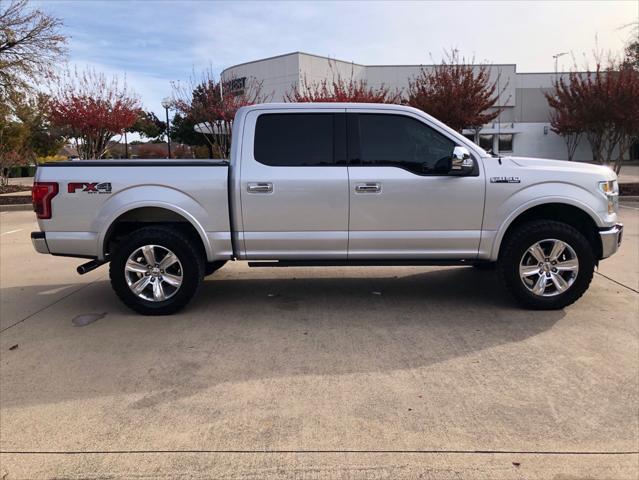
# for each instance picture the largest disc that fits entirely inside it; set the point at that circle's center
(461, 162)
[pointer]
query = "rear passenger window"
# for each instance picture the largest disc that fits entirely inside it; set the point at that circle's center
(400, 141)
(294, 139)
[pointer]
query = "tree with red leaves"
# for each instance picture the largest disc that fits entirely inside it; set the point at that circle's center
(603, 104)
(340, 89)
(92, 109)
(456, 92)
(213, 103)
(565, 124)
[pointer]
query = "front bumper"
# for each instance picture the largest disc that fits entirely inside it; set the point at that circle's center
(610, 240)
(39, 241)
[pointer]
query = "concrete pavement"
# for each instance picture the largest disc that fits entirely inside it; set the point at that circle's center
(316, 373)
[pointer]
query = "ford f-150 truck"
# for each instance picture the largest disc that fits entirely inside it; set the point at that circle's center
(331, 184)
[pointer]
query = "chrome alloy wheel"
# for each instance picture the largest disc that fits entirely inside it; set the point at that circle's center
(549, 267)
(153, 273)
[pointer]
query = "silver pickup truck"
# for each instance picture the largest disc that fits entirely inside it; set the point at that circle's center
(331, 184)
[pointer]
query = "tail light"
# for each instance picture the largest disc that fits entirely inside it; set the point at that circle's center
(41, 195)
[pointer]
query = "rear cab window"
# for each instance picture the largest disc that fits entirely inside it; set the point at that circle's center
(295, 139)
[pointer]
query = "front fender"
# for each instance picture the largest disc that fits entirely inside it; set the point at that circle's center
(511, 207)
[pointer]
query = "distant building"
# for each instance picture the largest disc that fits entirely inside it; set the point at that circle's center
(522, 128)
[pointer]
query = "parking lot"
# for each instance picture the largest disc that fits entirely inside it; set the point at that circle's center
(348, 373)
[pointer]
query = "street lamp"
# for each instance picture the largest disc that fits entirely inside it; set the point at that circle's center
(556, 57)
(166, 103)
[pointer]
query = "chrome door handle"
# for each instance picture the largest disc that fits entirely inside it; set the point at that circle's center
(368, 187)
(260, 187)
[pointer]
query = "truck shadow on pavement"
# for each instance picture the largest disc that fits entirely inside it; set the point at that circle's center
(239, 330)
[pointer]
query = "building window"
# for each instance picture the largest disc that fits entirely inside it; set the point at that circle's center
(506, 143)
(486, 142)
(470, 136)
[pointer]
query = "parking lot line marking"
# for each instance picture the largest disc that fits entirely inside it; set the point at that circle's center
(50, 305)
(11, 231)
(618, 283)
(277, 452)
(630, 208)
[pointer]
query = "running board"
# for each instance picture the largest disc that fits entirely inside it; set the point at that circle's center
(364, 263)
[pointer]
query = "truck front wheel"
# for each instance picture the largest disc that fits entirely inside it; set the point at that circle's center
(156, 270)
(546, 265)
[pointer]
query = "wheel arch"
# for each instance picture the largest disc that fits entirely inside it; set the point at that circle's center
(578, 216)
(139, 215)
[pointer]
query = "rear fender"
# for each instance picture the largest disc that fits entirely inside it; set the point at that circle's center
(147, 196)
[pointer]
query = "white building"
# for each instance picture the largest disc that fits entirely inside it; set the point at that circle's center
(522, 128)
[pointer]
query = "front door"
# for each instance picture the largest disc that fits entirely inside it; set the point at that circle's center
(403, 202)
(294, 185)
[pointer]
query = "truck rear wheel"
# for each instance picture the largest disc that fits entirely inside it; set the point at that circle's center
(546, 265)
(156, 270)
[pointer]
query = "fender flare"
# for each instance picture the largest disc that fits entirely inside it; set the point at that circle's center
(503, 228)
(113, 216)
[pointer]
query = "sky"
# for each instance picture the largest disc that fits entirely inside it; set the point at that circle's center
(156, 42)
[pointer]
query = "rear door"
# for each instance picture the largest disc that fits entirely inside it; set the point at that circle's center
(404, 204)
(294, 184)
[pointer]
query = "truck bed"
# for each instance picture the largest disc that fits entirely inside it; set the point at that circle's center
(146, 162)
(92, 194)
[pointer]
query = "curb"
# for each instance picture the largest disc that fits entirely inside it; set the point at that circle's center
(23, 207)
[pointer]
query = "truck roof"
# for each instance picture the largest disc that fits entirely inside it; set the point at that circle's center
(308, 105)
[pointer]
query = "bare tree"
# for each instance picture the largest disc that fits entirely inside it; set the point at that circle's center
(31, 42)
(340, 89)
(206, 100)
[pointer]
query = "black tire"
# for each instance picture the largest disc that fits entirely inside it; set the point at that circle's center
(191, 262)
(211, 267)
(526, 235)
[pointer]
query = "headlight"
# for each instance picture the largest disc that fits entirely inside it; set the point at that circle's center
(610, 189)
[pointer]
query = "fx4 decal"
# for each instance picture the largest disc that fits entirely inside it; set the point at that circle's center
(505, 180)
(93, 187)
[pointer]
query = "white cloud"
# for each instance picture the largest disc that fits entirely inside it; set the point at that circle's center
(156, 42)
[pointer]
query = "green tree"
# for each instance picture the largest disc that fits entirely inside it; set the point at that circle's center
(25, 131)
(148, 125)
(182, 130)
(631, 53)
(31, 43)
(14, 151)
(44, 139)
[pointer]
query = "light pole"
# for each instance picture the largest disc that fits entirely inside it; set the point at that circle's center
(556, 57)
(166, 103)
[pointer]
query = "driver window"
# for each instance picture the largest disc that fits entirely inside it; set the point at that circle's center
(400, 141)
